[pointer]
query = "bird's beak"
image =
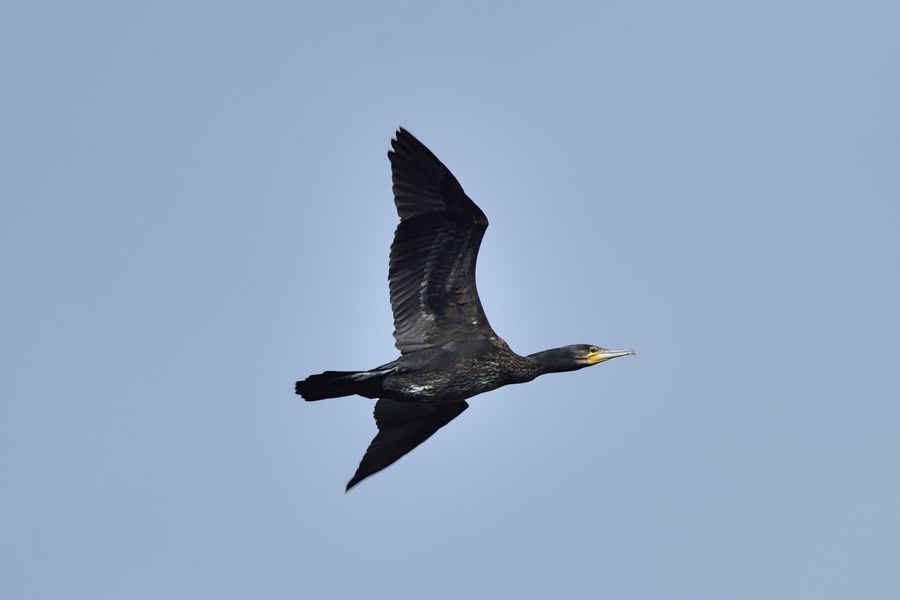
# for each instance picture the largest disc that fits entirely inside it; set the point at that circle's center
(603, 354)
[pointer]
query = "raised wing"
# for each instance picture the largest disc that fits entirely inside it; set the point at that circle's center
(401, 427)
(432, 265)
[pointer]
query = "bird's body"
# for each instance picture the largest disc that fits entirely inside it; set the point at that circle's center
(455, 371)
(459, 370)
(449, 352)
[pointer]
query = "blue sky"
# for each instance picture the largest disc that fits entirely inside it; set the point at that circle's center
(196, 212)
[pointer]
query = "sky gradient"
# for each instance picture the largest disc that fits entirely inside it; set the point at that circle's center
(196, 212)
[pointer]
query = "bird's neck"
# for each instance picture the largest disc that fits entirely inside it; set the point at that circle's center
(554, 360)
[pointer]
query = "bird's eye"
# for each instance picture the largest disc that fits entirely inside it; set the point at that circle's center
(594, 349)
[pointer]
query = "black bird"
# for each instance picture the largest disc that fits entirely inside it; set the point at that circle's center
(448, 351)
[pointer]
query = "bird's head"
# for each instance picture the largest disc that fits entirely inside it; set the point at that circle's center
(576, 356)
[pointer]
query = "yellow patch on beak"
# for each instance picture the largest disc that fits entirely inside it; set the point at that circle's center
(602, 354)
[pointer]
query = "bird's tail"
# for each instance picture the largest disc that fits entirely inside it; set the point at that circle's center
(330, 384)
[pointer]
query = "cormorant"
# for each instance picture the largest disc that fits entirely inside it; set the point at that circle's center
(448, 351)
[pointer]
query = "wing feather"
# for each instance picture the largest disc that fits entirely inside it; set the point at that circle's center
(401, 427)
(434, 253)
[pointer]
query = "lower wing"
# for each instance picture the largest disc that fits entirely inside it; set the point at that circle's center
(401, 427)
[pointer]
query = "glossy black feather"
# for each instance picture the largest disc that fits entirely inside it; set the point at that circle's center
(435, 249)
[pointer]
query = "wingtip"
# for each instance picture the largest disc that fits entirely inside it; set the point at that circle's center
(399, 134)
(355, 479)
(402, 137)
(396, 141)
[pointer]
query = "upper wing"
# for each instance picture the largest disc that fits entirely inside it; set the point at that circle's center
(432, 265)
(401, 427)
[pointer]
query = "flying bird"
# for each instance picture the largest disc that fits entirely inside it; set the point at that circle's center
(448, 350)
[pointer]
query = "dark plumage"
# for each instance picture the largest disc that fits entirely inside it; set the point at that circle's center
(448, 351)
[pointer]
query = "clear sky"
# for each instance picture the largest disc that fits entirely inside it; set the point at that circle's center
(196, 212)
